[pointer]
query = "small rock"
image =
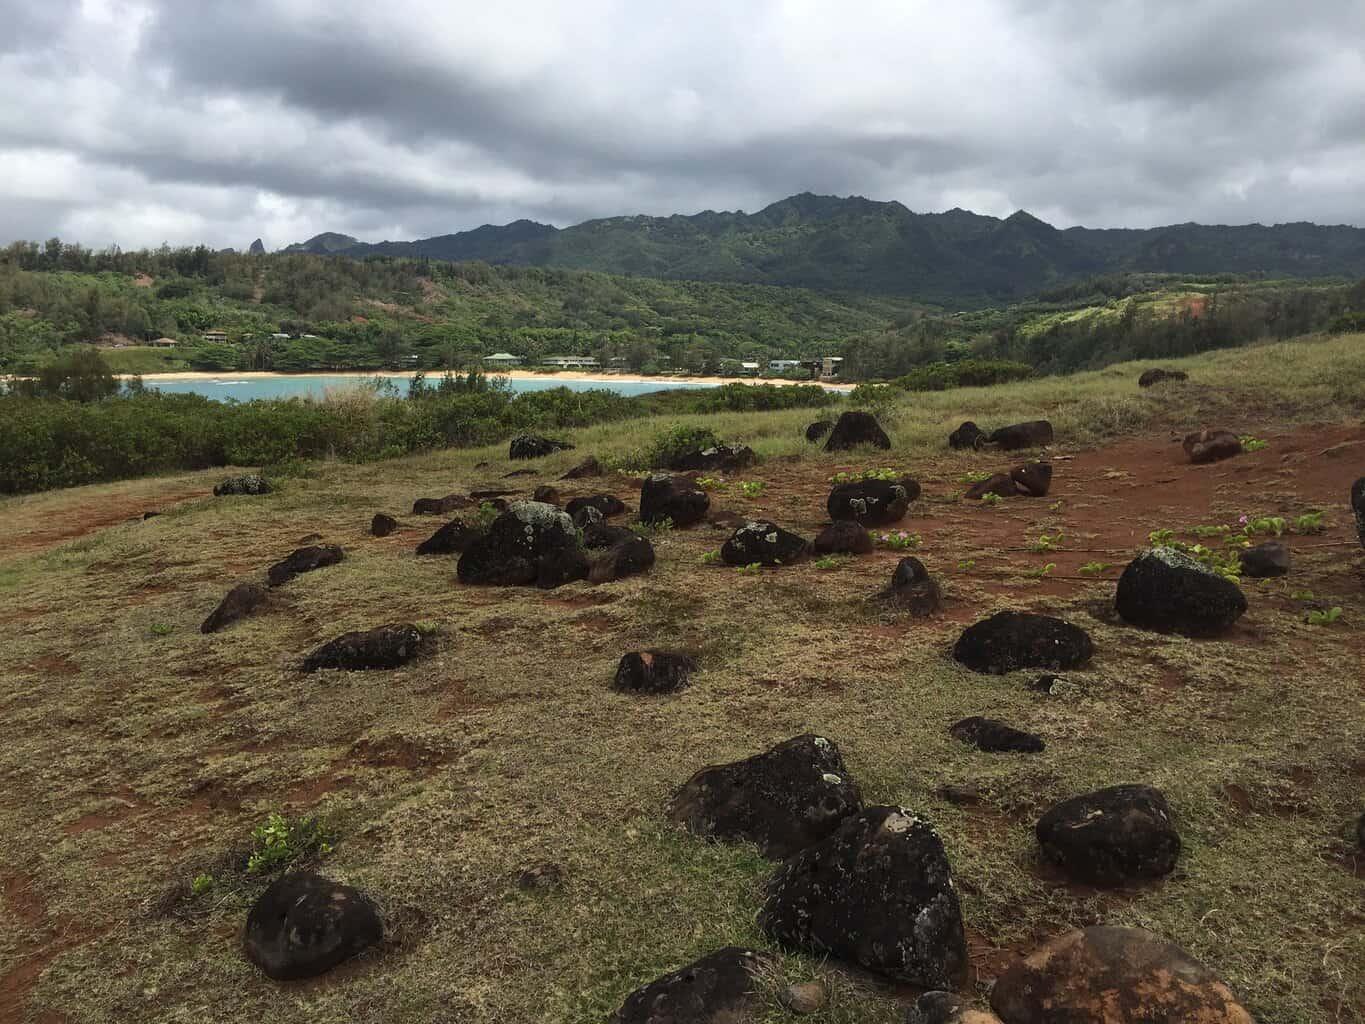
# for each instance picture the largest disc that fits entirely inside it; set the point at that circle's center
(440, 506)
(782, 800)
(717, 989)
(765, 543)
(588, 467)
(961, 794)
(541, 878)
(519, 472)
(383, 647)
(304, 925)
(301, 561)
(149, 515)
(855, 428)
(1206, 446)
(969, 435)
(653, 672)
(676, 498)
(1267, 560)
(1156, 376)
(1013, 640)
(629, 556)
(994, 736)
(547, 494)
(843, 536)
(946, 1008)
(252, 483)
(382, 525)
(1046, 683)
(531, 446)
(913, 590)
(724, 458)
(1111, 836)
(454, 538)
(818, 429)
(804, 997)
(607, 504)
(241, 601)
(1034, 434)
(1167, 590)
(872, 502)
(1108, 975)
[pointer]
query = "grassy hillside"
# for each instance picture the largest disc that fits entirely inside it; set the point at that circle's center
(141, 755)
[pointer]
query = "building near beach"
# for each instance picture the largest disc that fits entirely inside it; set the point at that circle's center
(571, 362)
(502, 360)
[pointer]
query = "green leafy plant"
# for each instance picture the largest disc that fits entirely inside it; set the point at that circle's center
(752, 569)
(1253, 444)
(654, 529)
(710, 483)
(280, 841)
(967, 564)
(1042, 570)
(162, 629)
(202, 883)
(678, 440)
(900, 540)
(1311, 522)
(992, 500)
(1095, 568)
(484, 517)
(710, 558)
(1322, 618)
(828, 562)
(1046, 543)
(1162, 538)
(974, 476)
(752, 488)
(889, 475)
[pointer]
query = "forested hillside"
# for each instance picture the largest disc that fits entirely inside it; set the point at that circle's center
(955, 258)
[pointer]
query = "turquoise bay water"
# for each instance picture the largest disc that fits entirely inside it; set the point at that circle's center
(244, 389)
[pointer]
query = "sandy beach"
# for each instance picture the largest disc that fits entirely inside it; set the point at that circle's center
(434, 375)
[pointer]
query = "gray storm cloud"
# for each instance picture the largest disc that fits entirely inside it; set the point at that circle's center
(142, 122)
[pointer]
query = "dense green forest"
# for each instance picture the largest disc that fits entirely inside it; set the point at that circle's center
(299, 312)
(958, 259)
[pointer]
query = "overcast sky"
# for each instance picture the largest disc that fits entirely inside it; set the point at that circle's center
(217, 121)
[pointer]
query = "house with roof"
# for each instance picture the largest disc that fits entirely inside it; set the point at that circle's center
(216, 336)
(502, 360)
(571, 362)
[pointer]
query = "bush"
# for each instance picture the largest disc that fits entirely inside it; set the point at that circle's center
(678, 440)
(968, 373)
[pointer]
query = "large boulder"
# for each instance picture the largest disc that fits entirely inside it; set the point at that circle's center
(1167, 590)
(455, 538)
(629, 556)
(252, 483)
(529, 543)
(765, 543)
(1204, 446)
(1108, 975)
(609, 505)
(1013, 640)
(855, 428)
(913, 590)
(675, 498)
(303, 560)
(382, 525)
(1111, 836)
(994, 736)
(1033, 434)
(304, 924)
(382, 647)
(1266, 560)
(588, 467)
(653, 672)
(441, 506)
(720, 988)
(783, 800)
(843, 536)
(946, 1008)
(1358, 508)
(723, 458)
(1157, 375)
(969, 435)
(241, 601)
(532, 446)
(878, 893)
(818, 429)
(872, 502)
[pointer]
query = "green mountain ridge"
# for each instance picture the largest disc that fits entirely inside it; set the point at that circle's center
(862, 245)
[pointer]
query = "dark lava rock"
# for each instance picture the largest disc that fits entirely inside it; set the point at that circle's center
(600, 534)
(1266, 560)
(629, 556)
(149, 515)
(1360, 832)
(526, 539)
(843, 536)
(969, 435)
(1211, 446)
(1108, 975)
(383, 647)
(547, 494)
(912, 589)
(1033, 478)
(676, 498)
(878, 893)
(725, 458)
(1358, 508)
(1001, 484)
(765, 543)
(872, 502)
(996, 737)
(856, 428)
(1045, 683)
(607, 504)
(818, 429)
(783, 800)
(588, 467)
(1156, 376)
(1013, 640)
(587, 516)
(304, 924)
(653, 672)
(1111, 836)
(452, 539)
(947, 1008)
(961, 794)
(440, 506)
(717, 989)
(1167, 590)
(241, 601)
(382, 525)
(531, 446)
(541, 878)
(252, 483)
(519, 472)
(301, 561)
(1033, 434)
(490, 497)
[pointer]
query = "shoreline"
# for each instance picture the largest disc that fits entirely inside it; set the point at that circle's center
(566, 375)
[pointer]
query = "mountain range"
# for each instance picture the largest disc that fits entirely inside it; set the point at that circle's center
(861, 245)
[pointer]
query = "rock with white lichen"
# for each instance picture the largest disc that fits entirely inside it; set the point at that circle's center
(872, 502)
(530, 543)
(720, 988)
(764, 543)
(676, 499)
(1167, 590)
